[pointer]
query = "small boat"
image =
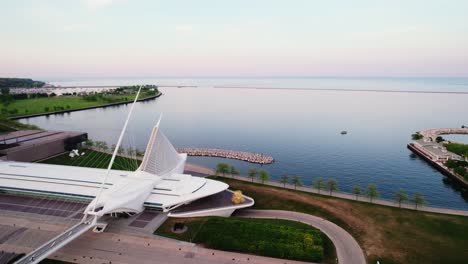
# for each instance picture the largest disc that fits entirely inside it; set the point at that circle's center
(344, 132)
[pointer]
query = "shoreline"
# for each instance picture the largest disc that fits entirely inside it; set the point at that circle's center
(84, 108)
(352, 197)
(341, 90)
(440, 167)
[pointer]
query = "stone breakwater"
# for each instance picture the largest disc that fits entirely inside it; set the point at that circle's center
(229, 154)
(433, 133)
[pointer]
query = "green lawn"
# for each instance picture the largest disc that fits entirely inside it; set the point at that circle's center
(266, 237)
(458, 148)
(387, 234)
(50, 104)
(94, 159)
(7, 125)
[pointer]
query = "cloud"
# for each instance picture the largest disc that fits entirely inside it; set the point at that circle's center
(97, 4)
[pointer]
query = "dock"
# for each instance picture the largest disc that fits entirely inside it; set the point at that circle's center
(435, 159)
(228, 154)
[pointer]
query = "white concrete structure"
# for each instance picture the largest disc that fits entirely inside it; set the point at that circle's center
(158, 184)
(223, 211)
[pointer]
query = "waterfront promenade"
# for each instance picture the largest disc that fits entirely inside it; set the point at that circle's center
(229, 154)
(361, 198)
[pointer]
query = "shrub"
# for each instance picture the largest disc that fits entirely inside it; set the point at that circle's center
(237, 197)
(273, 238)
(461, 171)
(416, 136)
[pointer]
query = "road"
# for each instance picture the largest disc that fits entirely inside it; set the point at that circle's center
(347, 248)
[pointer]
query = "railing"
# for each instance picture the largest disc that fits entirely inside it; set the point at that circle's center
(56, 243)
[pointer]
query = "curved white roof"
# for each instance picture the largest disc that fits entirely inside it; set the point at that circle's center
(84, 183)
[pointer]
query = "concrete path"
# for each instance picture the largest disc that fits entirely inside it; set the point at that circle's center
(118, 246)
(347, 248)
(349, 196)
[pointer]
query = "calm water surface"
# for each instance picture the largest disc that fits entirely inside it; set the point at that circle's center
(299, 128)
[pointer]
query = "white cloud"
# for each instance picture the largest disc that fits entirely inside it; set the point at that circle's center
(97, 4)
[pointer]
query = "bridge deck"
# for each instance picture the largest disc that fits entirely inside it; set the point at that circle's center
(56, 243)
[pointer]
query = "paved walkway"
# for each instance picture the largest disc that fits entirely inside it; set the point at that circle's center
(118, 246)
(347, 248)
(349, 196)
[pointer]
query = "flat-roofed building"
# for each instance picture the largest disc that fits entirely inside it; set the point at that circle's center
(33, 145)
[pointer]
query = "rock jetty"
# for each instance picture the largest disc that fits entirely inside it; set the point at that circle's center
(229, 154)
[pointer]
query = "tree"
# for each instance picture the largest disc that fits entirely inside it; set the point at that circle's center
(418, 199)
(284, 179)
(5, 90)
(460, 171)
(416, 136)
(233, 171)
(99, 144)
(318, 184)
(401, 196)
(372, 192)
(439, 139)
(356, 191)
(131, 152)
(332, 185)
(263, 176)
(120, 150)
(104, 146)
(296, 180)
(223, 168)
(252, 173)
(89, 143)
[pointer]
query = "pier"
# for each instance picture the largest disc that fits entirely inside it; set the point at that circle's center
(228, 154)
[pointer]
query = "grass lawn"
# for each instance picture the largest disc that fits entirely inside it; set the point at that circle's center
(94, 159)
(47, 104)
(265, 237)
(390, 235)
(458, 148)
(7, 125)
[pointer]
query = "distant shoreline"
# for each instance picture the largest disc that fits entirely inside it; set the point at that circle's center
(338, 90)
(84, 108)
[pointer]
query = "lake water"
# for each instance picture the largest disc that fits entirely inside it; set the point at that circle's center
(299, 128)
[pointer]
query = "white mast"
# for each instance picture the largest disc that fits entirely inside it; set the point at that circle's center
(117, 146)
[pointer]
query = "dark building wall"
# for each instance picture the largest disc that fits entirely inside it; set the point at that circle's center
(43, 145)
(37, 151)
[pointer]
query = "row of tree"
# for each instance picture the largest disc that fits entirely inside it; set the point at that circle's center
(330, 185)
(102, 145)
(20, 82)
